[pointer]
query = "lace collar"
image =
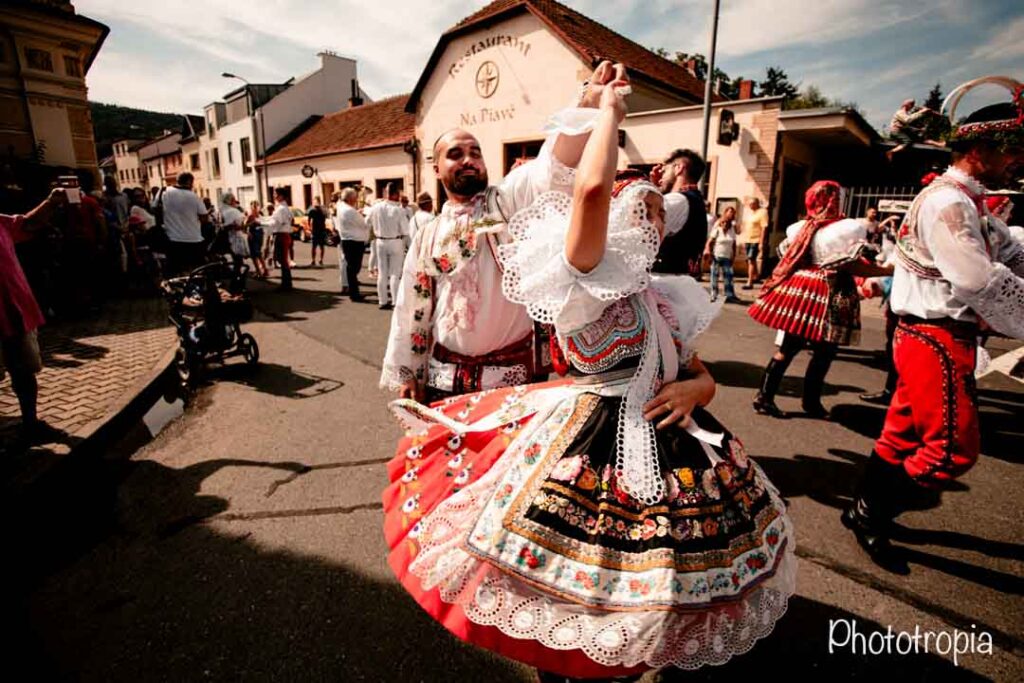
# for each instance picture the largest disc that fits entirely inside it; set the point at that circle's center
(975, 188)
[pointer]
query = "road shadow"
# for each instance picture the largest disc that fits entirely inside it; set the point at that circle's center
(735, 373)
(276, 380)
(801, 640)
(160, 594)
(832, 481)
(291, 305)
(1002, 432)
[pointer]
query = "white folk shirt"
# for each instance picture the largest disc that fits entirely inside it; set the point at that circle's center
(281, 220)
(496, 322)
(419, 221)
(389, 220)
(974, 277)
(351, 224)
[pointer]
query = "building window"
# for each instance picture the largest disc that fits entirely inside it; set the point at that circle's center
(246, 150)
(520, 152)
(41, 60)
(72, 67)
(193, 161)
(382, 183)
(132, 173)
(307, 195)
(216, 163)
(231, 156)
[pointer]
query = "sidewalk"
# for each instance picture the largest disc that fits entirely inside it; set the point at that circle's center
(91, 370)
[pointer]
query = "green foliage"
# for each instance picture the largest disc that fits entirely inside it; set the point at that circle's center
(112, 122)
(935, 97)
(776, 83)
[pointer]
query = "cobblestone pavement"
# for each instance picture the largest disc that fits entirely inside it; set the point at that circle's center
(90, 365)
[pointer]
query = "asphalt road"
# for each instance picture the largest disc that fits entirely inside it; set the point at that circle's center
(244, 542)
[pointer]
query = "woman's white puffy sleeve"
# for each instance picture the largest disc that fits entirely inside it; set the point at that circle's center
(538, 275)
(690, 310)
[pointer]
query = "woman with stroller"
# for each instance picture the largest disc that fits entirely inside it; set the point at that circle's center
(607, 525)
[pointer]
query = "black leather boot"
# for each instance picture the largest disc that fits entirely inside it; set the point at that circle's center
(814, 382)
(875, 505)
(764, 402)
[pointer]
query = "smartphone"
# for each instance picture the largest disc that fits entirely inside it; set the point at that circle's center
(70, 185)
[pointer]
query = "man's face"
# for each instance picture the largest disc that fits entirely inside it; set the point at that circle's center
(998, 167)
(872, 215)
(755, 204)
(459, 164)
(670, 170)
(279, 198)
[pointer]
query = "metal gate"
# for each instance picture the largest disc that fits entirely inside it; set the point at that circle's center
(887, 199)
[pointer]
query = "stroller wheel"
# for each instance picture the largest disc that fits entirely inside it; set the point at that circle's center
(250, 349)
(185, 365)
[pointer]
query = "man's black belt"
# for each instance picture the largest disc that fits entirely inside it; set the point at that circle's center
(964, 328)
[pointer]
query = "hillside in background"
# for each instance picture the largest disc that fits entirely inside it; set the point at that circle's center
(111, 122)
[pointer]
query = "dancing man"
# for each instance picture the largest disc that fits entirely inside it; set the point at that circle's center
(453, 331)
(686, 223)
(957, 267)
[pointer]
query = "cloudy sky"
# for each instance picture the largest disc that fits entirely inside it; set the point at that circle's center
(168, 56)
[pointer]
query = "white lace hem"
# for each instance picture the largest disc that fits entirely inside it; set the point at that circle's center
(704, 635)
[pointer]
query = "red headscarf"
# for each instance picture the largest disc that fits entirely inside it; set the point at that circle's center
(822, 202)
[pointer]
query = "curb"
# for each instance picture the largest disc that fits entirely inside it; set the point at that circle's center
(95, 436)
(142, 387)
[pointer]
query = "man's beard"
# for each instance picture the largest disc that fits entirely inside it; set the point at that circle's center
(468, 185)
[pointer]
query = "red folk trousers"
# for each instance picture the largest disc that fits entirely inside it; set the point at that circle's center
(932, 424)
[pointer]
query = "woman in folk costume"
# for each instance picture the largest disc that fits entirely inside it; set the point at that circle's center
(605, 525)
(811, 296)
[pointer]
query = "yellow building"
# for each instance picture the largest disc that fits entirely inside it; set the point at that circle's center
(46, 50)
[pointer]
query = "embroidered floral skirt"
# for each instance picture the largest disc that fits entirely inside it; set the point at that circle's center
(816, 304)
(515, 536)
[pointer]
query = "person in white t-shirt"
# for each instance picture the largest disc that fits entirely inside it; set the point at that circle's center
(722, 248)
(183, 214)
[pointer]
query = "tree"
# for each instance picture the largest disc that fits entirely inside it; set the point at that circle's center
(810, 98)
(776, 83)
(934, 99)
(936, 127)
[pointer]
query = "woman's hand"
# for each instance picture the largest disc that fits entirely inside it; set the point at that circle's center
(676, 400)
(613, 95)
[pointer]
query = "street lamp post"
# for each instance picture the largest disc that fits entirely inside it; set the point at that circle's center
(263, 135)
(707, 94)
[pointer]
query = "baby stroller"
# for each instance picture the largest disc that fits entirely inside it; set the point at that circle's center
(207, 307)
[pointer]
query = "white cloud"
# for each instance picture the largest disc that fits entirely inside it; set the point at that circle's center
(1004, 46)
(149, 82)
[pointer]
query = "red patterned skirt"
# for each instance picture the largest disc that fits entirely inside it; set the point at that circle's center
(441, 464)
(815, 304)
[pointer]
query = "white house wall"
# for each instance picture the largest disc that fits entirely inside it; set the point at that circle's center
(537, 75)
(365, 168)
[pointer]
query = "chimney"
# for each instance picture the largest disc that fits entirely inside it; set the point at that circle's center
(355, 100)
(746, 89)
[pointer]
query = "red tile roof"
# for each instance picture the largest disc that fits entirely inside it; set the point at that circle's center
(591, 40)
(378, 124)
